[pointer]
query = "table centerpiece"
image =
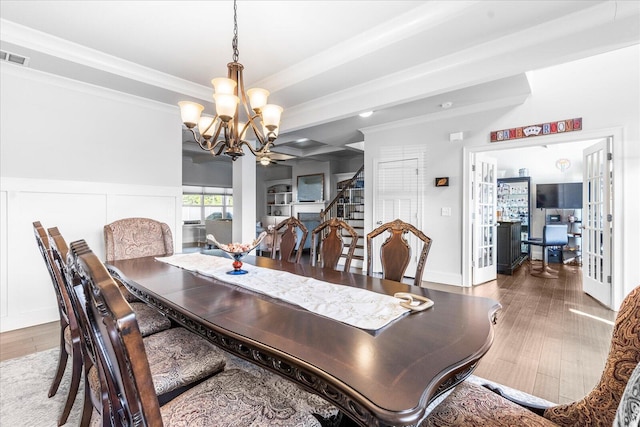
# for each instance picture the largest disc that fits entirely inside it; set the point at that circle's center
(237, 251)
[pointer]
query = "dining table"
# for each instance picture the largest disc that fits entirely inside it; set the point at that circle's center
(382, 377)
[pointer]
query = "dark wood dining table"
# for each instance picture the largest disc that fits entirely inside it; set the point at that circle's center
(386, 377)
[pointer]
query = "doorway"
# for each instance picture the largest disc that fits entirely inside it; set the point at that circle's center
(396, 193)
(555, 148)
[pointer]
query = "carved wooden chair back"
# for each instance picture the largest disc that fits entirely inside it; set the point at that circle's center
(128, 393)
(328, 251)
(137, 237)
(59, 253)
(395, 252)
(289, 239)
(71, 346)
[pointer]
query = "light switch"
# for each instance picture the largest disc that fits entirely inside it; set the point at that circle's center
(446, 212)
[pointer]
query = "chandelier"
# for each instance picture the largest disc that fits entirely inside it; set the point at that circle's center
(226, 132)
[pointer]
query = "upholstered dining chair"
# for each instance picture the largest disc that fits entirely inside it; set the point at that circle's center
(70, 340)
(327, 244)
(179, 359)
(473, 405)
(395, 252)
(286, 233)
(232, 397)
(137, 237)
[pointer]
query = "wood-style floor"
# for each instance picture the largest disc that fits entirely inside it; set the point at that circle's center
(551, 339)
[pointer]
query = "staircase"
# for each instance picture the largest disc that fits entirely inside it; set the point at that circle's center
(348, 205)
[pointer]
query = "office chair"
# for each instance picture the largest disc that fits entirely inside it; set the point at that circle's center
(553, 235)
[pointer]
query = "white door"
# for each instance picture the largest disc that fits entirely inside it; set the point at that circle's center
(597, 222)
(396, 197)
(483, 222)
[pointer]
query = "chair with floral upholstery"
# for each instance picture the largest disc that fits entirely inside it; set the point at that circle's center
(137, 237)
(473, 405)
(128, 386)
(179, 359)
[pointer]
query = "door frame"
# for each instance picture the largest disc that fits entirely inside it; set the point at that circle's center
(617, 274)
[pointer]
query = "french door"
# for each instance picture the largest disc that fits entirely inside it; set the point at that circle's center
(484, 232)
(597, 222)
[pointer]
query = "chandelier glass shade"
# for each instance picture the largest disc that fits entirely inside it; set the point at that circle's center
(239, 114)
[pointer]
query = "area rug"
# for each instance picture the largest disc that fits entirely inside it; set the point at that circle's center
(24, 384)
(25, 381)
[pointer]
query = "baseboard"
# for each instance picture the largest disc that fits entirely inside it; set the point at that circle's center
(24, 320)
(443, 278)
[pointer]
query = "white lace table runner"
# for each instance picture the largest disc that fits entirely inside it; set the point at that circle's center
(357, 307)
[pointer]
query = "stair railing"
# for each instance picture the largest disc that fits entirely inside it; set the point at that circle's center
(331, 210)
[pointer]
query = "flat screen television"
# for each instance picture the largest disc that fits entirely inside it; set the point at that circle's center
(547, 196)
(559, 196)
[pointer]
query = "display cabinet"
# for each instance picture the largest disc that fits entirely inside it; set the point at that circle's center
(514, 204)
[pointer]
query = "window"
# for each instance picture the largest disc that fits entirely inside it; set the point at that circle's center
(200, 203)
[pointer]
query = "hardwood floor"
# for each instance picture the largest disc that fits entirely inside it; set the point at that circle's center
(551, 339)
(21, 342)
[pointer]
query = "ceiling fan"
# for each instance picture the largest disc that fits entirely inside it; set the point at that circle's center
(266, 161)
(272, 158)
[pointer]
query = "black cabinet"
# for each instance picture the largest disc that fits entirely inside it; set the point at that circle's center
(510, 255)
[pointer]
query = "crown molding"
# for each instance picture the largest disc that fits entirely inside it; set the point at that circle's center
(73, 52)
(83, 87)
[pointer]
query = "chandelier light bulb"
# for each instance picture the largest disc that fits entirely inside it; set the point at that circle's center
(223, 85)
(190, 112)
(264, 161)
(257, 98)
(206, 126)
(271, 116)
(225, 105)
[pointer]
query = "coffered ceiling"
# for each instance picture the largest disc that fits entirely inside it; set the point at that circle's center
(323, 61)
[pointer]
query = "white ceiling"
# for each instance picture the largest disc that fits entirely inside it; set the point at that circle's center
(323, 61)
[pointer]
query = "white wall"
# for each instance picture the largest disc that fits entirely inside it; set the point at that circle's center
(207, 174)
(77, 157)
(603, 90)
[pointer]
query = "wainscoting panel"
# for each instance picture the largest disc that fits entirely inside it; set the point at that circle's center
(79, 210)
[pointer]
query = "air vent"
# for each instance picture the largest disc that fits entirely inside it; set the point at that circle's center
(14, 58)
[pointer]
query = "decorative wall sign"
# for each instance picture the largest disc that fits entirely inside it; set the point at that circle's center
(562, 126)
(442, 182)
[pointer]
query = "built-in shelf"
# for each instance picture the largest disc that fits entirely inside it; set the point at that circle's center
(279, 199)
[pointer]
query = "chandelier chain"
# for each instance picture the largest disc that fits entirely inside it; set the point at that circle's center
(234, 43)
